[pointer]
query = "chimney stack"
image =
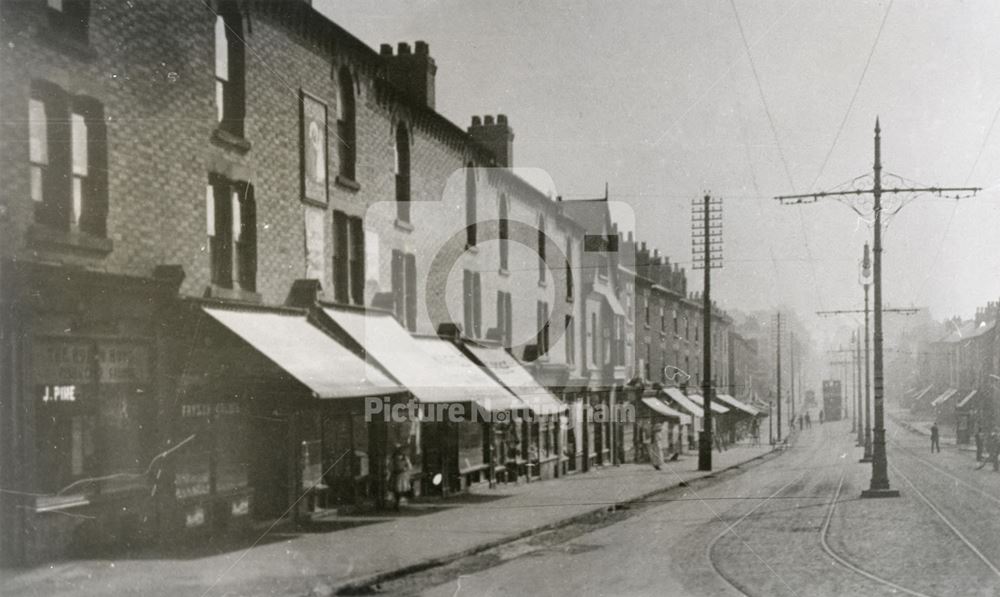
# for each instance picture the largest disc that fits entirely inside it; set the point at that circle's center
(413, 73)
(496, 136)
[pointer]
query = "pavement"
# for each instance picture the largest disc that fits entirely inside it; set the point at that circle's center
(356, 551)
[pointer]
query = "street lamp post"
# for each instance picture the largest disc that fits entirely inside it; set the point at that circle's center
(866, 270)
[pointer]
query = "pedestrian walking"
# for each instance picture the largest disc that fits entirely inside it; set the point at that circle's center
(935, 439)
(979, 443)
(399, 481)
(820, 417)
(809, 422)
(655, 451)
(801, 422)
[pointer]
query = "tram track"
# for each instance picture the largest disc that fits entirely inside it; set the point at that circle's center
(823, 534)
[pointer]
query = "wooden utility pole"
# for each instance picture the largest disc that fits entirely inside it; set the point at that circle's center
(779, 377)
(706, 250)
(879, 485)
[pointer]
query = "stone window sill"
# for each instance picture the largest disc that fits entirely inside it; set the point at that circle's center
(233, 294)
(51, 238)
(347, 183)
(228, 140)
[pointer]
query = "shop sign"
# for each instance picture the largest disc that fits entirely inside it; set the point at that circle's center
(187, 484)
(75, 362)
(58, 393)
(208, 409)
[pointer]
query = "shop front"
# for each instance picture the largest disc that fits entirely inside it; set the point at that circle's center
(466, 429)
(80, 414)
(678, 400)
(539, 421)
(268, 410)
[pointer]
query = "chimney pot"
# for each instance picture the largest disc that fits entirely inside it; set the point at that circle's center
(422, 48)
(477, 121)
(488, 119)
(501, 119)
(403, 48)
(385, 50)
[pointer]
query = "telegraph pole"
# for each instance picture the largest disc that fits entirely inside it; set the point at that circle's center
(779, 376)
(706, 246)
(879, 485)
(791, 375)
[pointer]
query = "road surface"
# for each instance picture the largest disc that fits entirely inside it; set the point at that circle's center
(794, 525)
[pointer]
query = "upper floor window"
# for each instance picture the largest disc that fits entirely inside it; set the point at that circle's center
(67, 154)
(505, 318)
(541, 249)
(346, 124)
(543, 328)
(402, 174)
(676, 329)
(472, 303)
(232, 230)
(404, 288)
(70, 18)
(504, 232)
(348, 259)
(229, 70)
(570, 340)
(470, 205)
(569, 268)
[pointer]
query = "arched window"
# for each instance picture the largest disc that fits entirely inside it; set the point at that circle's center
(504, 232)
(470, 205)
(402, 173)
(346, 136)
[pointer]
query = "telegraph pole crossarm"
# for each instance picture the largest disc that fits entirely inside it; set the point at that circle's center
(879, 486)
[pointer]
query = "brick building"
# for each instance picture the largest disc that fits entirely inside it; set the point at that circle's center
(198, 200)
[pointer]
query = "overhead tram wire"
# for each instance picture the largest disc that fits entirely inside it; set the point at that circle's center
(777, 141)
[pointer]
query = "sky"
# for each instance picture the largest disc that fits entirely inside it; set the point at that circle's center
(660, 101)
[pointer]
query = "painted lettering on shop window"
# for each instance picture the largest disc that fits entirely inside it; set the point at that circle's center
(58, 393)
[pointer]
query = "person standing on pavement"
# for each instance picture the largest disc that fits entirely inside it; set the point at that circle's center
(809, 422)
(820, 417)
(655, 451)
(935, 440)
(399, 480)
(979, 443)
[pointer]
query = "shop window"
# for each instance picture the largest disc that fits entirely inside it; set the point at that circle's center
(404, 288)
(69, 18)
(66, 447)
(67, 155)
(230, 93)
(402, 174)
(348, 259)
(470, 205)
(504, 233)
(232, 229)
(346, 124)
(472, 303)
